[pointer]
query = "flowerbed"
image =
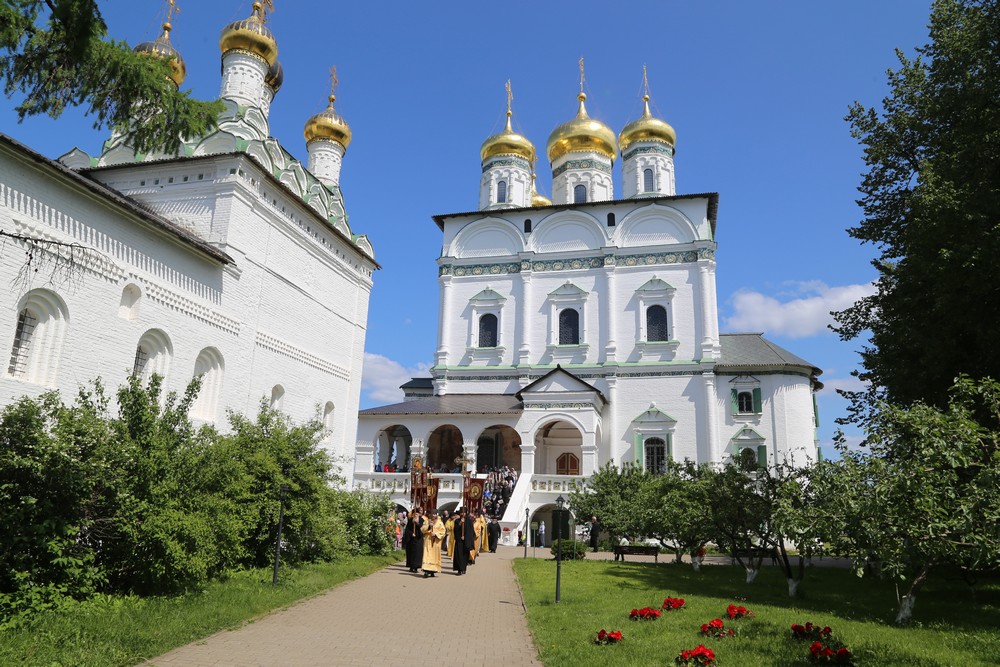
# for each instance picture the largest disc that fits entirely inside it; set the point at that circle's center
(716, 628)
(672, 604)
(824, 654)
(735, 612)
(644, 614)
(700, 655)
(604, 637)
(811, 631)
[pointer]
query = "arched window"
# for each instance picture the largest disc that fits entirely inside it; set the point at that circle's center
(656, 324)
(277, 397)
(569, 327)
(656, 455)
(502, 192)
(647, 180)
(209, 367)
(611, 219)
(745, 402)
(567, 464)
(527, 226)
(38, 337)
(580, 194)
(488, 330)
(152, 354)
(328, 415)
(128, 309)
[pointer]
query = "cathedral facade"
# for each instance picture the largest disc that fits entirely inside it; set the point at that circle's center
(584, 330)
(230, 260)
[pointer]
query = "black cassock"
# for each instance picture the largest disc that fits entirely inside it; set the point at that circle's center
(413, 542)
(493, 531)
(465, 540)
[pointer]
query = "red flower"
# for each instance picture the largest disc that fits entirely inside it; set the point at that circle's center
(615, 636)
(633, 613)
(602, 635)
(673, 603)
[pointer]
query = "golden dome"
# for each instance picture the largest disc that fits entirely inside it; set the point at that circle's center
(250, 35)
(582, 133)
(537, 199)
(508, 142)
(329, 125)
(162, 48)
(646, 128)
(275, 76)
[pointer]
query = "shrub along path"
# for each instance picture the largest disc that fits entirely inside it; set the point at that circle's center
(391, 617)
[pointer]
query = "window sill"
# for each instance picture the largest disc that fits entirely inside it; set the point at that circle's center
(657, 345)
(569, 349)
(485, 352)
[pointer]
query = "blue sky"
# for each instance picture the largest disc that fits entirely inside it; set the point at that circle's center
(756, 91)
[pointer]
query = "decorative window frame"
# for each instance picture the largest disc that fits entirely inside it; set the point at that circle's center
(656, 292)
(746, 384)
(653, 423)
(160, 352)
(566, 296)
(40, 359)
(486, 302)
(211, 366)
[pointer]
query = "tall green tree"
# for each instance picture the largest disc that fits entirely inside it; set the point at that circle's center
(57, 54)
(931, 200)
(615, 496)
(676, 507)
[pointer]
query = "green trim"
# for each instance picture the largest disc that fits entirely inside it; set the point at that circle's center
(762, 456)
(758, 402)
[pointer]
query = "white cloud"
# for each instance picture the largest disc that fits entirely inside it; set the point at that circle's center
(850, 383)
(800, 317)
(381, 377)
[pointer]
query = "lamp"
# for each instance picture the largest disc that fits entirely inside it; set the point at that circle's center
(557, 524)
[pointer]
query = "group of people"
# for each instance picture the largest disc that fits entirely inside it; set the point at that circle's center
(461, 536)
(500, 484)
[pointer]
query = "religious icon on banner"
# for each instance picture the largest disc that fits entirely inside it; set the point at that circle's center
(433, 485)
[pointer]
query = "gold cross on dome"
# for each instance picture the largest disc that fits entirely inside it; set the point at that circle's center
(510, 96)
(645, 83)
(172, 9)
(581, 74)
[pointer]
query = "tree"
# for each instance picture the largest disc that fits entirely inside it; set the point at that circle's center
(57, 55)
(934, 502)
(931, 199)
(676, 507)
(614, 495)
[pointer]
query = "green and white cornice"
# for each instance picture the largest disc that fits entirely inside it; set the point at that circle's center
(578, 263)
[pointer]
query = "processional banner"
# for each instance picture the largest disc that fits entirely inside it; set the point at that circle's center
(431, 503)
(473, 495)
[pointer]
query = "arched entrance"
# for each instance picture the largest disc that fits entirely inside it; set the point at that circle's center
(544, 514)
(498, 446)
(444, 446)
(559, 449)
(392, 448)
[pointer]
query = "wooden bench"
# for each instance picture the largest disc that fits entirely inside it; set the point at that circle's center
(758, 552)
(637, 550)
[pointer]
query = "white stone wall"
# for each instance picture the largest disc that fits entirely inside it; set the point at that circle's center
(243, 80)
(518, 182)
(657, 159)
(598, 182)
(292, 311)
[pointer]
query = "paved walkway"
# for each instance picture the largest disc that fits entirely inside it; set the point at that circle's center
(390, 618)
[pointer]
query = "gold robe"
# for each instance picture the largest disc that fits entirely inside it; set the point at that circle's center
(449, 526)
(478, 530)
(484, 538)
(433, 534)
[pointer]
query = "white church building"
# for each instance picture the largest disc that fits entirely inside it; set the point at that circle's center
(230, 259)
(585, 330)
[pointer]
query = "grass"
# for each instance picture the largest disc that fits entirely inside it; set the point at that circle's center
(126, 631)
(952, 625)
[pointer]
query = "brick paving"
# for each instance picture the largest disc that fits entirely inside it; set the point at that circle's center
(390, 618)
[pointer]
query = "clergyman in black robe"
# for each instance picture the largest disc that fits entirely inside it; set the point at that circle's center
(493, 531)
(413, 541)
(465, 541)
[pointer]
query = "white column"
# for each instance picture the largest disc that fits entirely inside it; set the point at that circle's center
(588, 466)
(243, 79)
(444, 318)
(711, 430)
(610, 313)
(713, 300)
(325, 160)
(611, 432)
(527, 455)
(524, 320)
(705, 311)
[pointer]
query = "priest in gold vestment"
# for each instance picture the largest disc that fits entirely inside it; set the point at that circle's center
(484, 538)
(434, 533)
(449, 526)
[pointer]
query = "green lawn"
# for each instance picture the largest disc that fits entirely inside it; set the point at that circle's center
(952, 625)
(125, 631)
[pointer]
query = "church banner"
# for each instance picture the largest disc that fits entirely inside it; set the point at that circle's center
(431, 503)
(473, 499)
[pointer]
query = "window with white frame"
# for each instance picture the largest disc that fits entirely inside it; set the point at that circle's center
(653, 432)
(277, 397)
(656, 324)
(745, 397)
(485, 323)
(567, 316)
(655, 299)
(39, 331)
(657, 453)
(647, 180)
(580, 194)
(502, 192)
(152, 355)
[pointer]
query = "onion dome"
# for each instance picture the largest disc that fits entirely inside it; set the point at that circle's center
(508, 142)
(275, 77)
(582, 133)
(646, 128)
(250, 35)
(162, 48)
(328, 125)
(537, 199)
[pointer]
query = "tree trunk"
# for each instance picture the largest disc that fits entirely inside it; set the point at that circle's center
(793, 587)
(696, 563)
(907, 601)
(751, 574)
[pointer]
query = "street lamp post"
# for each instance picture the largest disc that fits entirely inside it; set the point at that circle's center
(560, 502)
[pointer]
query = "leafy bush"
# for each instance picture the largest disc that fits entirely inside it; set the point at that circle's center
(571, 549)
